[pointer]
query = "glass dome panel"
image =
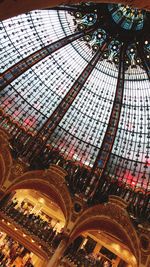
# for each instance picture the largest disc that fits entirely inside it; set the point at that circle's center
(32, 97)
(27, 33)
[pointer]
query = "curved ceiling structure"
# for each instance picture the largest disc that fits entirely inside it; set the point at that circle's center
(76, 78)
(9, 9)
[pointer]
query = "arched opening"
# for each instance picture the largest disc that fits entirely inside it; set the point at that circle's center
(43, 188)
(96, 247)
(36, 218)
(39, 204)
(108, 225)
(49, 183)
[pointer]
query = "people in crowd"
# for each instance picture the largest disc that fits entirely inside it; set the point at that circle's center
(80, 179)
(81, 257)
(13, 254)
(34, 223)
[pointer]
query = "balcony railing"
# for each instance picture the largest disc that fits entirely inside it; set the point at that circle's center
(80, 180)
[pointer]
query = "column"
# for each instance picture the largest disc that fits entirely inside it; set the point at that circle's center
(55, 259)
(23, 65)
(97, 248)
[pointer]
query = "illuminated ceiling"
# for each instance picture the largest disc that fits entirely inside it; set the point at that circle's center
(30, 97)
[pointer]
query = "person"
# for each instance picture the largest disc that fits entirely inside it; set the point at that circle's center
(13, 252)
(28, 263)
(106, 264)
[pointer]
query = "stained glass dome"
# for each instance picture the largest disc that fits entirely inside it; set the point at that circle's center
(128, 18)
(73, 84)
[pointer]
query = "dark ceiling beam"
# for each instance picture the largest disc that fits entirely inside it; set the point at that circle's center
(66, 102)
(75, 8)
(110, 134)
(10, 8)
(71, 8)
(23, 65)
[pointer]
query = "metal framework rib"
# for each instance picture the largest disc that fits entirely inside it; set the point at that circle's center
(60, 111)
(23, 65)
(50, 125)
(73, 8)
(108, 140)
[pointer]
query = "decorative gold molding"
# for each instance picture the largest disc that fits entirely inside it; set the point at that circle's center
(51, 182)
(18, 169)
(5, 158)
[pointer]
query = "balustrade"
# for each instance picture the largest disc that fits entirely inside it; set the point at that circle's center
(81, 258)
(34, 224)
(13, 254)
(80, 179)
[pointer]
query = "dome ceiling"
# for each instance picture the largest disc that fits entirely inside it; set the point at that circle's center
(88, 66)
(128, 18)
